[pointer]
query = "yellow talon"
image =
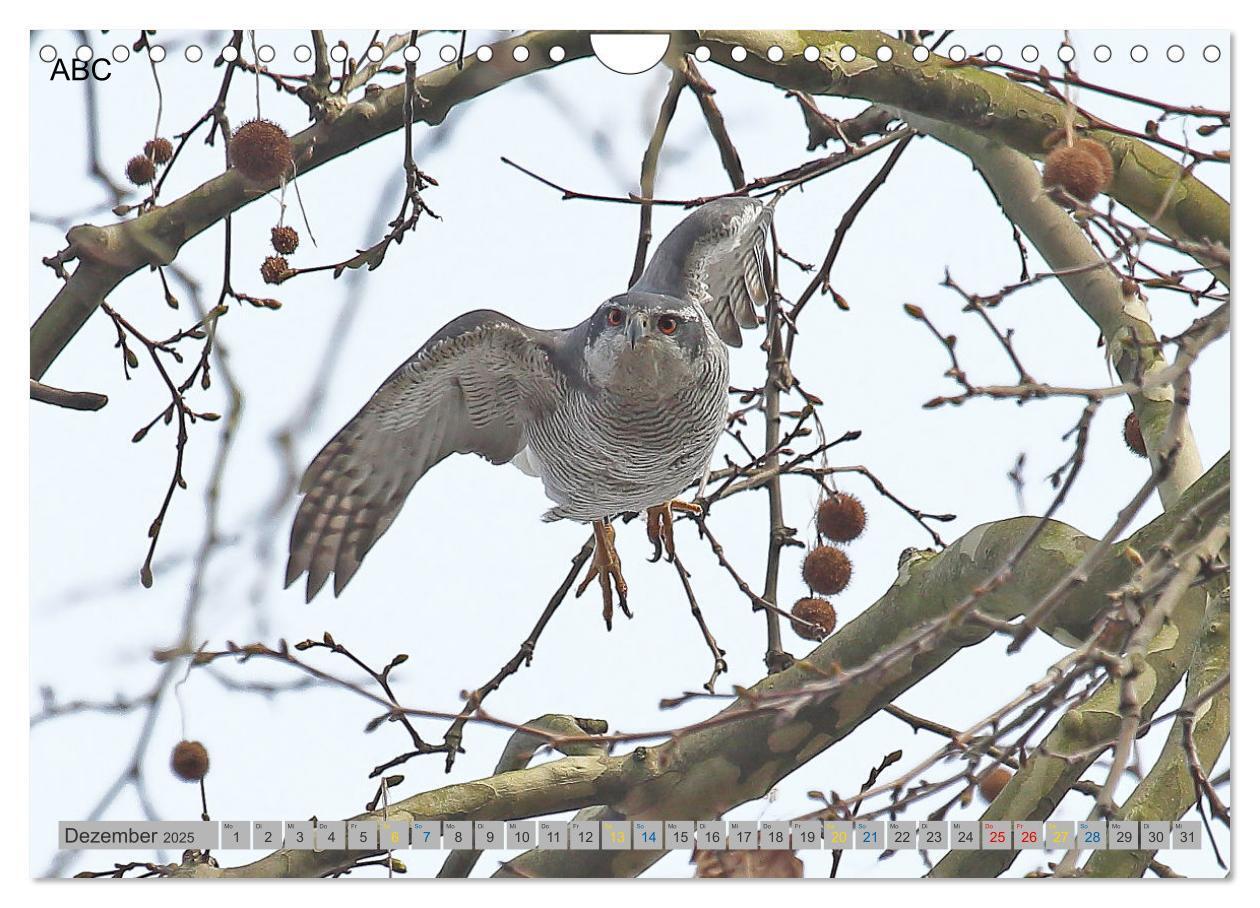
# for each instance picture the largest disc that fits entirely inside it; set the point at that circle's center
(660, 526)
(606, 565)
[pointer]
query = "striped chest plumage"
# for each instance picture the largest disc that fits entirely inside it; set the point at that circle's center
(606, 453)
(619, 413)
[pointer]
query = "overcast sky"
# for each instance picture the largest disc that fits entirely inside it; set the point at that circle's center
(464, 572)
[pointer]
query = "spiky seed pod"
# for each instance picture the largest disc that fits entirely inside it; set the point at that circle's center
(1075, 170)
(992, 783)
(1133, 435)
(827, 570)
(140, 170)
(815, 611)
(841, 517)
(1102, 155)
(284, 240)
(190, 761)
(275, 269)
(1053, 138)
(159, 150)
(261, 151)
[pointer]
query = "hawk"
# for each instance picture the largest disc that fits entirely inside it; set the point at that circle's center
(618, 414)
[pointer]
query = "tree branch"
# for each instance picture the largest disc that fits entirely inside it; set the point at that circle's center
(707, 771)
(1146, 181)
(1088, 729)
(108, 255)
(71, 400)
(1169, 789)
(1132, 345)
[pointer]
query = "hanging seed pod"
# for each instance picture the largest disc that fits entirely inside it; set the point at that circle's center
(992, 783)
(140, 170)
(1082, 169)
(284, 240)
(817, 612)
(261, 151)
(159, 150)
(190, 761)
(827, 570)
(841, 517)
(275, 269)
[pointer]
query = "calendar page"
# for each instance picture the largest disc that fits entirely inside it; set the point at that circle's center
(464, 453)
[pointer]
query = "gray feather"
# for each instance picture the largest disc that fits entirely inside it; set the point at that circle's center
(608, 428)
(474, 387)
(716, 257)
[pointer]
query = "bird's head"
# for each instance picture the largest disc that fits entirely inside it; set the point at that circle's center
(646, 343)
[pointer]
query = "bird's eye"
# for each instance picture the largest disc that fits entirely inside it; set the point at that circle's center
(667, 324)
(615, 316)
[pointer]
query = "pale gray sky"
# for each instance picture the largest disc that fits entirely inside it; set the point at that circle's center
(462, 575)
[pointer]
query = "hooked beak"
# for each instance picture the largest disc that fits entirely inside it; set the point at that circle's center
(636, 328)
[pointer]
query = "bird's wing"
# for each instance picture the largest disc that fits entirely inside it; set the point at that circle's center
(716, 258)
(473, 387)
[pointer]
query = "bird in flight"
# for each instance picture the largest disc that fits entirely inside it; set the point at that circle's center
(618, 414)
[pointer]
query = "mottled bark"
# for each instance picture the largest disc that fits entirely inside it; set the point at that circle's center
(1168, 789)
(984, 102)
(706, 772)
(1123, 320)
(108, 255)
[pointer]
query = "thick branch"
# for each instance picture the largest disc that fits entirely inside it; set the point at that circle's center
(707, 771)
(985, 102)
(107, 255)
(1086, 730)
(1168, 790)
(550, 788)
(71, 400)
(720, 767)
(1132, 345)
(520, 749)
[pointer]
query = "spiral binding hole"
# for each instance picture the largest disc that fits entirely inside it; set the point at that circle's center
(447, 53)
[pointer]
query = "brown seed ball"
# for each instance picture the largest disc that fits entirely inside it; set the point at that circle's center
(992, 783)
(284, 240)
(159, 150)
(275, 269)
(1133, 435)
(140, 170)
(190, 761)
(1102, 155)
(827, 570)
(1053, 137)
(1075, 170)
(816, 611)
(261, 151)
(841, 517)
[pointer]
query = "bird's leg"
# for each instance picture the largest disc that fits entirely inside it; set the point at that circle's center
(660, 526)
(606, 565)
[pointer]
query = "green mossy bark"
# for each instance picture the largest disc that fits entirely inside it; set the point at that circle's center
(981, 101)
(1167, 791)
(108, 255)
(704, 773)
(708, 772)
(1040, 784)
